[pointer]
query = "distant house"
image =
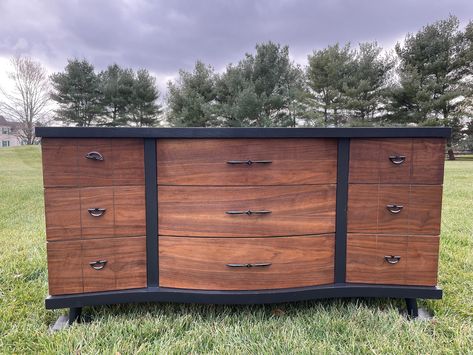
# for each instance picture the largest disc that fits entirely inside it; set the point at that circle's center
(8, 129)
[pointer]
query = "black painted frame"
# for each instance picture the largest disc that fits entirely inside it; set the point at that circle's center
(154, 293)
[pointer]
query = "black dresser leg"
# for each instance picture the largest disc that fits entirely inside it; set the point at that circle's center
(74, 315)
(411, 305)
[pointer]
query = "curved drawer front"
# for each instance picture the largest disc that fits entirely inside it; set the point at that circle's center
(246, 161)
(92, 162)
(397, 160)
(245, 264)
(395, 209)
(397, 260)
(246, 211)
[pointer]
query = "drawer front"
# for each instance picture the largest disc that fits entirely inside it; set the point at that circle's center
(125, 265)
(396, 260)
(222, 263)
(397, 160)
(92, 162)
(224, 211)
(96, 265)
(394, 209)
(95, 212)
(224, 161)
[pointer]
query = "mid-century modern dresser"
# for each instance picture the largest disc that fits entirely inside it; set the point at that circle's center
(241, 215)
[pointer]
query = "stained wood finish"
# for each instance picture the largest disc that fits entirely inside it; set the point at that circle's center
(69, 270)
(369, 161)
(62, 208)
(67, 215)
(125, 267)
(65, 165)
(417, 265)
(204, 161)
(200, 263)
(367, 212)
(64, 268)
(200, 211)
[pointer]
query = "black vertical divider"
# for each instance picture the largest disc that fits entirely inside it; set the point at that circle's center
(151, 196)
(343, 160)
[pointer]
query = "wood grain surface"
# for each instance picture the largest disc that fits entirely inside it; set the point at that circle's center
(417, 265)
(424, 162)
(204, 161)
(67, 215)
(201, 263)
(125, 267)
(200, 211)
(69, 270)
(65, 165)
(421, 212)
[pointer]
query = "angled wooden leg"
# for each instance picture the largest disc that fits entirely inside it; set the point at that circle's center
(411, 306)
(74, 315)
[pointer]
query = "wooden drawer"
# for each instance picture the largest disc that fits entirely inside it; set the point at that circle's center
(120, 264)
(222, 263)
(394, 209)
(275, 210)
(120, 162)
(221, 161)
(95, 212)
(368, 256)
(397, 160)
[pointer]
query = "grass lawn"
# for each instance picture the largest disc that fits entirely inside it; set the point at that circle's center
(343, 326)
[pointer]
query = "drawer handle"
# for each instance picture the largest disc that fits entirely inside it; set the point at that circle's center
(96, 212)
(98, 265)
(392, 259)
(250, 265)
(394, 209)
(249, 212)
(397, 159)
(94, 156)
(249, 162)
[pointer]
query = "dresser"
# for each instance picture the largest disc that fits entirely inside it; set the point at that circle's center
(241, 216)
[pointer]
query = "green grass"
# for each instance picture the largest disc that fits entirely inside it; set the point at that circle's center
(343, 326)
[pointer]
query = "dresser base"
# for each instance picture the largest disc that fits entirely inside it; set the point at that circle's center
(159, 294)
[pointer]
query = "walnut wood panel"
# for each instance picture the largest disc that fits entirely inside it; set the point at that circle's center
(204, 161)
(423, 164)
(417, 264)
(125, 266)
(99, 226)
(201, 211)
(62, 208)
(201, 263)
(65, 165)
(67, 215)
(420, 213)
(64, 268)
(60, 162)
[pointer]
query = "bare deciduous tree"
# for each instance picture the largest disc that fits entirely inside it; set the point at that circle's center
(27, 101)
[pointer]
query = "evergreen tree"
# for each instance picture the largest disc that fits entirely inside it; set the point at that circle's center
(77, 92)
(143, 109)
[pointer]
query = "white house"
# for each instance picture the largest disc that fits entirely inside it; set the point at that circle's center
(7, 133)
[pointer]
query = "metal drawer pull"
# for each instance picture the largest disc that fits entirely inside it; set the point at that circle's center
(98, 265)
(249, 162)
(96, 212)
(250, 265)
(249, 212)
(94, 156)
(394, 209)
(397, 159)
(392, 259)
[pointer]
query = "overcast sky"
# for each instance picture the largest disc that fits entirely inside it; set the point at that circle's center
(164, 36)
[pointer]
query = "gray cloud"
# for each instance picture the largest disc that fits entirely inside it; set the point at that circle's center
(165, 36)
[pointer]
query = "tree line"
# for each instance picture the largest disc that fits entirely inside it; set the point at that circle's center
(426, 80)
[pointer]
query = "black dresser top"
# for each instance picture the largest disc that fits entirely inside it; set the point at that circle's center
(105, 132)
